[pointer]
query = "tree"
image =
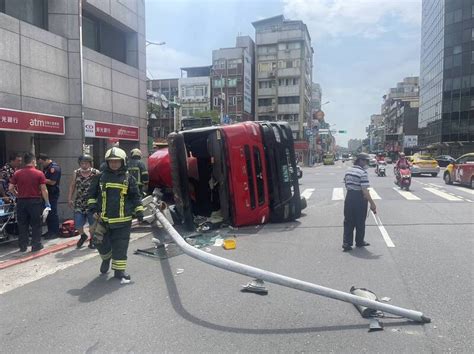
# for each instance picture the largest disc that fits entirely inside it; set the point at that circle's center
(213, 114)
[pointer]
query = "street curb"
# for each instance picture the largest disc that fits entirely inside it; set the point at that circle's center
(43, 252)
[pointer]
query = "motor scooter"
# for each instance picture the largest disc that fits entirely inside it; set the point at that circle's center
(403, 177)
(380, 170)
(8, 222)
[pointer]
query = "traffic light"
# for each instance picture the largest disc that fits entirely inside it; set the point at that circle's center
(342, 131)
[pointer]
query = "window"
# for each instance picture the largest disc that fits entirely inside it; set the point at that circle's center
(264, 67)
(458, 15)
(34, 12)
(257, 159)
(262, 102)
(218, 82)
(232, 100)
(457, 60)
(232, 64)
(250, 176)
(289, 100)
(232, 82)
(216, 101)
(200, 91)
(457, 49)
(265, 84)
(106, 39)
(267, 49)
(219, 64)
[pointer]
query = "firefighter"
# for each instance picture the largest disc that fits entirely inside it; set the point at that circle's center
(113, 198)
(137, 169)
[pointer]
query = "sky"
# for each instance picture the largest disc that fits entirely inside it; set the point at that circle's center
(361, 47)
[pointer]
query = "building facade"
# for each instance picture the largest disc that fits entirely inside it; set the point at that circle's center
(316, 96)
(376, 133)
(283, 78)
(63, 92)
(446, 119)
(400, 116)
(194, 91)
(161, 93)
(232, 81)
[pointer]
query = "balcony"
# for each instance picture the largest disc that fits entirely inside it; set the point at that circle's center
(289, 90)
(289, 72)
(267, 91)
(266, 109)
(293, 108)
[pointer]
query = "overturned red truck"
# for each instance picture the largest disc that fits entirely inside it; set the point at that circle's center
(245, 171)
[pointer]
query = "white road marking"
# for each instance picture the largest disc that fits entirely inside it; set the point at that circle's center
(470, 191)
(443, 194)
(406, 194)
(383, 231)
(307, 193)
(374, 194)
(338, 194)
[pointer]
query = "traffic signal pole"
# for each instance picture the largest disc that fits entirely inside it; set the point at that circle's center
(282, 280)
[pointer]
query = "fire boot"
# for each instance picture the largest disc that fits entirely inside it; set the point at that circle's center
(104, 267)
(81, 241)
(120, 274)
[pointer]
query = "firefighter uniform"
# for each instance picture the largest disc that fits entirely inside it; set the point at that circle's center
(137, 169)
(115, 197)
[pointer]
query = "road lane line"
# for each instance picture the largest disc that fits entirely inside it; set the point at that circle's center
(307, 193)
(470, 191)
(406, 194)
(373, 194)
(338, 194)
(383, 231)
(443, 195)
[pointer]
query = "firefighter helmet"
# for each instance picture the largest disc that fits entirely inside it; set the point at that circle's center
(136, 153)
(363, 156)
(85, 158)
(116, 154)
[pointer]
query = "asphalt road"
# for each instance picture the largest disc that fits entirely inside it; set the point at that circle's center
(181, 305)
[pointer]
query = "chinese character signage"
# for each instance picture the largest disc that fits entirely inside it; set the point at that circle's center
(410, 141)
(31, 122)
(93, 129)
(247, 82)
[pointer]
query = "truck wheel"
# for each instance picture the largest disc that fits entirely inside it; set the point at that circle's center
(303, 203)
(447, 178)
(434, 174)
(472, 182)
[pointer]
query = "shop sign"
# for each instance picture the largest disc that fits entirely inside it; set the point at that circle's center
(31, 122)
(93, 129)
(301, 145)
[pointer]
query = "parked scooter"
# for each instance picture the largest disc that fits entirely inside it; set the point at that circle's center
(403, 176)
(380, 169)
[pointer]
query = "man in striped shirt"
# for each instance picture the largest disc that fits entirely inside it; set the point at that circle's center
(355, 204)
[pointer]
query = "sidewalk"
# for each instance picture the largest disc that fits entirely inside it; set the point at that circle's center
(11, 256)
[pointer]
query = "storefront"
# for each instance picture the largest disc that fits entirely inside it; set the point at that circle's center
(18, 130)
(99, 136)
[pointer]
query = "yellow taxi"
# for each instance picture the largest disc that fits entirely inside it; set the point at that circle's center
(461, 171)
(423, 164)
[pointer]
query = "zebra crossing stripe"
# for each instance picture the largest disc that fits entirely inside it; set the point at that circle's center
(407, 195)
(338, 194)
(443, 194)
(470, 191)
(374, 194)
(307, 193)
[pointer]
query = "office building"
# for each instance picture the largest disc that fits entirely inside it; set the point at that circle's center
(446, 118)
(194, 87)
(63, 92)
(160, 94)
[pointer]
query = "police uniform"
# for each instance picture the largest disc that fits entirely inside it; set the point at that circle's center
(53, 173)
(114, 195)
(355, 206)
(137, 169)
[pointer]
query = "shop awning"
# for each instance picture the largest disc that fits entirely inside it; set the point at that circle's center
(31, 122)
(93, 129)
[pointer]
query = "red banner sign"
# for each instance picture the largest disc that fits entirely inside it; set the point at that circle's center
(301, 145)
(95, 129)
(31, 122)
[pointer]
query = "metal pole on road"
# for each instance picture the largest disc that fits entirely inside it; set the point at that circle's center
(279, 279)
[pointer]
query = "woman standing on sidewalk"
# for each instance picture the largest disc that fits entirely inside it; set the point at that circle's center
(80, 183)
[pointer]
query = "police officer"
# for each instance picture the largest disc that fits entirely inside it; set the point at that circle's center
(355, 204)
(52, 172)
(137, 169)
(113, 198)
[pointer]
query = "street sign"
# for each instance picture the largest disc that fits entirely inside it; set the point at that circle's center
(309, 132)
(342, 131)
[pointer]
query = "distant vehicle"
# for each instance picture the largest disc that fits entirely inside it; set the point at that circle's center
(380, 169)
(299, 172)
(423, 164)
(328, 159)
(461, 171)
(373, 160)
(346, 157)
(444, 160)
(388, 159)
(192, 123)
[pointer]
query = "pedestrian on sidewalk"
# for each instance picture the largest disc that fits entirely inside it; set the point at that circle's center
(137, 169)
(113, 198)
(355, 203)
(77, 197)
(29, 184)
(52, 172)
(7, 171)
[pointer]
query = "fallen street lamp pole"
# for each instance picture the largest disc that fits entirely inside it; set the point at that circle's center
(279, 279)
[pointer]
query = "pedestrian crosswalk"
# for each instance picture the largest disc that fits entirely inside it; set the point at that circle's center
(423, 192)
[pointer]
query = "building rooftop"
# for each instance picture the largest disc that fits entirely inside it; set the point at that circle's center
(195, 71)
